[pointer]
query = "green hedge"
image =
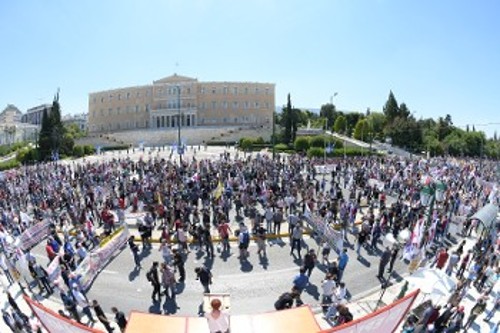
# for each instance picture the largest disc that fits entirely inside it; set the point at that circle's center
(350, 151)
(281, 147)
(10, 164)
(117, 147)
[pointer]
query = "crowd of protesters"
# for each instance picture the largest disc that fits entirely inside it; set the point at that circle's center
(191, 202)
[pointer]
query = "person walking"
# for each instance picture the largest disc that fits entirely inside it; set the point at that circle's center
(394, 255)
(328, 286)
(82, 301)
(120, 319)
(496, 306)
(70, 305)
(135, 251)
(297, 233)
(278, 219)
(154, 278)
(205, 276)
(452, 263)
(179, 265)
(476, 310)
(441, 258)
(101, 316)
(168, 281)
(342, 264)
(260, 238)
(224, 229)
(362, 236)
(310, 260)
(218, 321)
(384, 260)
(244, 241)
(301, 280)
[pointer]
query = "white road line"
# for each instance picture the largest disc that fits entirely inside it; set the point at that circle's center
(232, 276)
(109, 272)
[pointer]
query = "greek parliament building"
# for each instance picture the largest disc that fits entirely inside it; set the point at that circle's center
(157, 106)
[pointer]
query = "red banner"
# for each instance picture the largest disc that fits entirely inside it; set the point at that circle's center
(54, 323)
(386, 319)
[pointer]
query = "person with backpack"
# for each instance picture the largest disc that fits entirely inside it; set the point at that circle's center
(285, 301)
(244, 241)
(205, 276)
(310, 260)
(153, 277)
(120, 318)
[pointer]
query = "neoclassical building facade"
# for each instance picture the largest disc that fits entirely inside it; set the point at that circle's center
(179, 99)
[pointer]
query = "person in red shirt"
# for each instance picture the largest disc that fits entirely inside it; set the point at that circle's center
(224, 230)
(441, 259)
(50, 251)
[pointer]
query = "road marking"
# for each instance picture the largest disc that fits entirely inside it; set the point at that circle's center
(231, 276)
(109, 272)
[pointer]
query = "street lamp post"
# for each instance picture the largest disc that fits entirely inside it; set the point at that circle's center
(179, 144)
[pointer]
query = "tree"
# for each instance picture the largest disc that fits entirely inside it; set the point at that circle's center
(376, 120)
(328, 111)
(44, 140)
(340, 124)
(56, 126)
(391, 109)
(404, 112)
(301, 143)
(352, 119)
(361, 130)
(287, 121)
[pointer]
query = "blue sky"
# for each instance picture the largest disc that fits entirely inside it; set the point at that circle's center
(438, 57)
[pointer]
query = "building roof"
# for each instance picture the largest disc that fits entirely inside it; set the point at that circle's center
(175, 78)
(10, 107)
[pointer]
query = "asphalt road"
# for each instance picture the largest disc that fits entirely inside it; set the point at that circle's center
(253, 286)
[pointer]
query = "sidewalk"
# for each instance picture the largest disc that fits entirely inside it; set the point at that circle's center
(370, 301)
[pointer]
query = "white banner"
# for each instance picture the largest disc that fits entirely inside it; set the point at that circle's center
(99, 258)
(34, 234)
(386, 319)
(54, 323)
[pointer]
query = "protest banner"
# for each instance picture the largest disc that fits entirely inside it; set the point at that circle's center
(97, 259)
(34, 234)
(54, 270)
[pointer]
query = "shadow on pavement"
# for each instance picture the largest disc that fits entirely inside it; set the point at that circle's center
(134, 274)
(170, 306)
(155, 308)
(312, 290)
(246, 266)
(364, 262)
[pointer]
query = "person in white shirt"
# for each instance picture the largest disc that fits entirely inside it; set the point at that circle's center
(218, 321)
(328, 286)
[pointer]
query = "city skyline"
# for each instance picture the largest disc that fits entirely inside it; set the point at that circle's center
(438, 58)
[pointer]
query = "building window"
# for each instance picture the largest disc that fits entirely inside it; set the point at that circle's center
(137, 109)
(128, 109)
(188, 90)
(102, 99)
(246, 90)
(214, 105)
(214, 90)
(235, 90)
(102, 112)
(128, 95)
(202, 90)
(235, 105)
(224, 105)
(202, 106)
(267, 105)
(224, 90)
(138, 94)
(110, 111)
(147, 107)
(267, 91)
(256, 91)
(110, 98)
(118, 110)
(148, 92)
(256, 105)
(119, 97)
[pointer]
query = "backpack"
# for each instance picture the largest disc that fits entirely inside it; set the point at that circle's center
(246, 238)
(149, 276)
